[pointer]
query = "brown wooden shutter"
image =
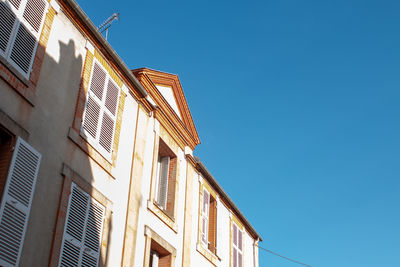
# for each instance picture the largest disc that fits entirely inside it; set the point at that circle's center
(212, 229)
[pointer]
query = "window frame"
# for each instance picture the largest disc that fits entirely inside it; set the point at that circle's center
(95, 142)
(70, 176)
(168, 217)
(20, 20)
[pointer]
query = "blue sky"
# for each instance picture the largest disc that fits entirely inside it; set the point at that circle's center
(297, 107)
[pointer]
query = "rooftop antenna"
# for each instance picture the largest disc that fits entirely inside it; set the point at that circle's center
(107, 24)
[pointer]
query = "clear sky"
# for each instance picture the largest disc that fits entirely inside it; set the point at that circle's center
(297, 106)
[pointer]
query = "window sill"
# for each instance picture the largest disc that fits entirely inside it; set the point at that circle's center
(162, 215)
(90, 150)
(213, 258)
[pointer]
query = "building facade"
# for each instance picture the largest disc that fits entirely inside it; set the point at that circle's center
(96, 160)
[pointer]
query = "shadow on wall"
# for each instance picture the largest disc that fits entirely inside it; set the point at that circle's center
(67, 212)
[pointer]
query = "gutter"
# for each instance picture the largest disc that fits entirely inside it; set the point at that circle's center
(99, 37)
(214, 182)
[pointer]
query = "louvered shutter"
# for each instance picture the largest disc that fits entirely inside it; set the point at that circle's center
(93, 105)
(163, 182)
(7, 21)
(100, 110)
(83, 230)
(23, 48)
(240, 250)
(234, 246)
(16, 202)
(109, 116)
(21, 45)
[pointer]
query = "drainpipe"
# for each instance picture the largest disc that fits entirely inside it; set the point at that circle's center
(255, 257)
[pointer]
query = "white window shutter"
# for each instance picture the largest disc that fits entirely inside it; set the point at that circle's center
(235, 264)
(23, 48)
(7, 21)
(83, 230)
(94, 230)
(15, 3)
(163, 182)
(91, 118)
(16, 202)
(34, 13)
(107, 132)
(24, 45)
(100, 110)
(108, 123)
(240, 248)
(98, 81)
(235, 234)
(112, 97)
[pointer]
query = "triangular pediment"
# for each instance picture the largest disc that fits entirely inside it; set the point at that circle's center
(168, 94)
(166, 91)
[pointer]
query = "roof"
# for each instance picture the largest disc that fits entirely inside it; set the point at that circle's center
(210, 178)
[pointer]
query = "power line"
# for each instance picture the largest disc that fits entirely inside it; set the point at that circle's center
(286, 258)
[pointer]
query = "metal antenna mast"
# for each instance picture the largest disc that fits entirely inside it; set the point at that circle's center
(107, 24)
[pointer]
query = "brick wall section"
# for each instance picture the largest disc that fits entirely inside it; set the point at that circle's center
(27, 91)
(80, 104)
(121, 105)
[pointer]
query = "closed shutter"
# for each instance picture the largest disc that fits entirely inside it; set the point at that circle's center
(235, 252)
(237, 246)
(212, 231)
(240, 249)
(83, 230)
(7, 21)
(20, 31)
(23, 48)
(101, 108)
(163, 182)
(16, 202)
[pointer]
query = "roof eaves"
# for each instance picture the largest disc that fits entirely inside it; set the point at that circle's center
(99, 37)
(221, 191)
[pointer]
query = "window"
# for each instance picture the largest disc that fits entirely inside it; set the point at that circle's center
(166, 179)
(17, 188)
(158, 252)
(83, 230)
(100, 113)
(159, 257)
(20, 27)
(209, 221)
(237, 246)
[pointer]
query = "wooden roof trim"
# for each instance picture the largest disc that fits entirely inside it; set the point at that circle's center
(172, 80)
(174, 122)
